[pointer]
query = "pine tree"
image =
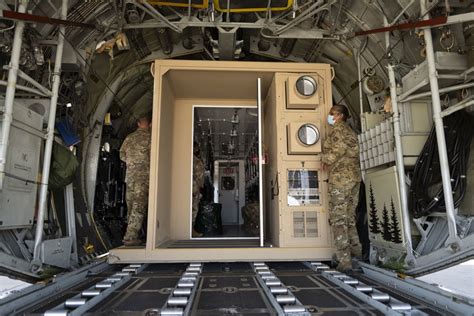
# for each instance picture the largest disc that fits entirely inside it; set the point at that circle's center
(385, 223)
(374, 219)
(394, 225)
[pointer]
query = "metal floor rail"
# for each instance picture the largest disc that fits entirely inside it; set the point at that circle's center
(81, 303)
(242, 288)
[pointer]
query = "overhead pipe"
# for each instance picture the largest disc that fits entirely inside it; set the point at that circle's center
(426, 23)
(24, 88)
(10, 92)
(453, 239)
(165, 41)
(410, 258)
(36, 262)
(31, 18)
(437, 21)
(441, 91)
(287, 47)
(27, 78)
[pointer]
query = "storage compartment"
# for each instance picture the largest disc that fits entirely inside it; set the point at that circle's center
(212, 110)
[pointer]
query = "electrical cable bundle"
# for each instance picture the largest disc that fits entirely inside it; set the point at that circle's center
(426, 190)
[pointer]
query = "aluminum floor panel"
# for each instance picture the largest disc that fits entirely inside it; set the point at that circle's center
(229, 288)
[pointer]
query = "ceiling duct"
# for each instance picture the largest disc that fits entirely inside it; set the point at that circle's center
(188, 39)
(165, 41)
(287, 47)
(133, 16)
(263, 44)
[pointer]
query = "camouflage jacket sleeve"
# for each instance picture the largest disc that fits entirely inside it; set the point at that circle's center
(335, 147)
(123, 150)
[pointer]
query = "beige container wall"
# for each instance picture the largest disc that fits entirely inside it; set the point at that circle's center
(179, 85)
(160, 186)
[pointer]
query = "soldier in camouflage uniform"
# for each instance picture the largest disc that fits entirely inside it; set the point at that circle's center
(135, 152)
(251, 216)
(198, 184)
(251, 213)
(341, 159)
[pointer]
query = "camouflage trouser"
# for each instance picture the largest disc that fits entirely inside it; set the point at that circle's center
(251, 216)
(196, 199)
(137, 201)
(342, 204)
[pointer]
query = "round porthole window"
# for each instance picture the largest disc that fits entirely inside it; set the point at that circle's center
(306, 86)
(308, 134)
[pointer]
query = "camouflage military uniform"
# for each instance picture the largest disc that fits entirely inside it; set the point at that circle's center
(341, 155)
(198, 184)
(251, 216)
(135, 151)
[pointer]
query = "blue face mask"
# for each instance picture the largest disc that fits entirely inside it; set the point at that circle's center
(331, 119)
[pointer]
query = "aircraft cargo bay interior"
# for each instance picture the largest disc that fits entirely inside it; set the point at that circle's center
(215, 157)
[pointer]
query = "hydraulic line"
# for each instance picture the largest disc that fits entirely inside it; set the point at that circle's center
(426, 191)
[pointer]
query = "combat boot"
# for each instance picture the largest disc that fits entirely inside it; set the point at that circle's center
(132, 242)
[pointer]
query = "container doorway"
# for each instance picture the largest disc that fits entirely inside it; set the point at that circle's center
(225, 201)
